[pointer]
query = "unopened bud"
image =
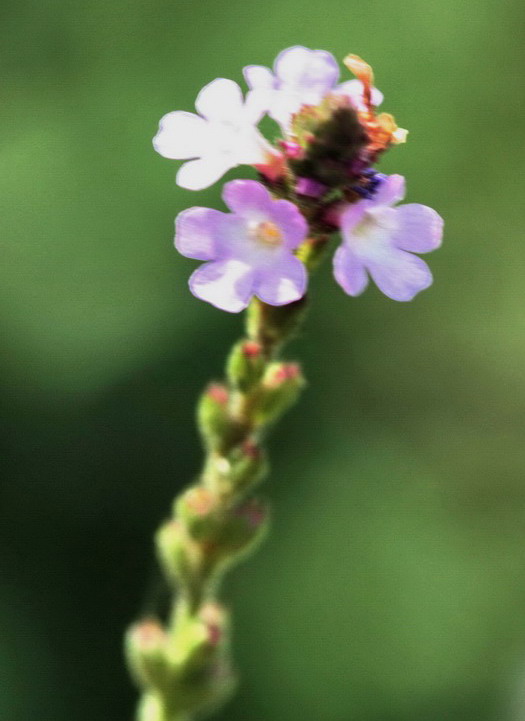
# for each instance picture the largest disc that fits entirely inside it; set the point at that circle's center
(245, 364)
(220, 532)
(146, 644)
(248, 466)
(281, 385)
(178, 556)
(246, 528)
(213, 415)
(197, 507)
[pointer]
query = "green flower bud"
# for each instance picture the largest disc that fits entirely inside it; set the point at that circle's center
(245, 530)
(178, 555)
(204, 639)
(245, 364)
(145, 646)
(248, 466)
(221, 532)
(213, 418)
(200, 653)
(281, 385)
(198, 508)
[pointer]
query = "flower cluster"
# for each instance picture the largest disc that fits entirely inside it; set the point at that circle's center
(318, 178)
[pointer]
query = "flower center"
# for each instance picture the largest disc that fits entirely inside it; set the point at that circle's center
(267, 233)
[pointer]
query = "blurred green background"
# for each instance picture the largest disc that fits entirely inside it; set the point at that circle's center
(393, 585)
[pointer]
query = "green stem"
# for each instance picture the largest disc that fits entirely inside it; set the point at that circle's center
(218, 521)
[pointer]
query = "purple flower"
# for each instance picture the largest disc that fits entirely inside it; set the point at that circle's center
(380, 240)
(223, 135)
(301, 77)
(249, 251)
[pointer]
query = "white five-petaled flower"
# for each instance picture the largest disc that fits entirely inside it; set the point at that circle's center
(381, 241)
(222, 136)
(301, 77)
(248, 251)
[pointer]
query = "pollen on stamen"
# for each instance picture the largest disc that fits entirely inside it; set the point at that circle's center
(267, 233)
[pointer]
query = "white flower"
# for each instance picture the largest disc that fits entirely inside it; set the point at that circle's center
(222, 136)
(301, 77)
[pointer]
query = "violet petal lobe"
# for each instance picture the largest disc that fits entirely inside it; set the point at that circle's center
(199, 232)
(226, 284)
(310, 71)
(282, 284)
(420, 228)
(401, 275)
(349, 271)
(247, 198)
(292, 223)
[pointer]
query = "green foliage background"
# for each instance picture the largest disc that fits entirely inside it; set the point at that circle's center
(393, 585)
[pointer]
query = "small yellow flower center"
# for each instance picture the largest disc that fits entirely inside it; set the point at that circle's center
(268, 233)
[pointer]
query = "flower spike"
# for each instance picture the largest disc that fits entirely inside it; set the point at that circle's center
(320, 179)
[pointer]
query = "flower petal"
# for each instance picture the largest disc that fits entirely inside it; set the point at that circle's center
(258, 77)
(226, 284)
(250, 148)
(353, 89)
(313, 72)
(400, 275)
(257, 104)
(349, 271)
(391, 191)
(221, 99)
(420, 228)
(290, 221)
(247, 198)
(282, 282)
(181, 135)
(199, 232)
(352, 215)
(201, 173)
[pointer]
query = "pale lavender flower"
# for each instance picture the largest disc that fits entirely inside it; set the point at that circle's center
(222, 136)
(300, 77)
(380, 240)
(249, 251)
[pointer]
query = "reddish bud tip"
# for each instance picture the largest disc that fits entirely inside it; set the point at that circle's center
(148, 635)
(285, 372)
(200, 500)
(252, 349)
(218, 393)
